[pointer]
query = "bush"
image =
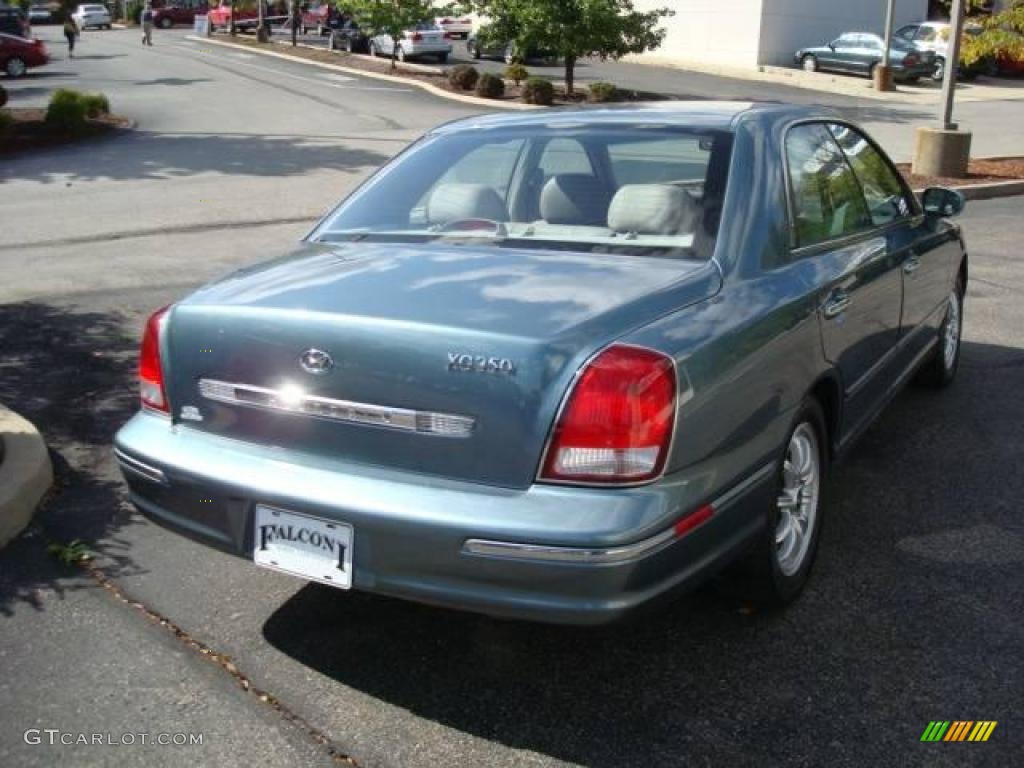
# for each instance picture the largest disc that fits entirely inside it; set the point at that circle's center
(516, 73)
(66, 111)
(490, 86)
(3, 95)
(463, 77)
(602, 92)
(96, 104)
(6, 121)
(539, 91)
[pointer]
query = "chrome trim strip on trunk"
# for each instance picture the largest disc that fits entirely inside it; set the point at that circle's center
(140, 468)
(297, 402)
(598, 556)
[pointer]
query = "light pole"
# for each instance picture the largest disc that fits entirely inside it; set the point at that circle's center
(945, 150)
(883, 74)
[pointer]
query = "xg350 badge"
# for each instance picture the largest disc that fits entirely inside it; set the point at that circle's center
(480, 364)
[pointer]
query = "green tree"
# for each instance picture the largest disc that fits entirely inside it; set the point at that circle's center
(574, 29)
(1002, 35)
(391, 17)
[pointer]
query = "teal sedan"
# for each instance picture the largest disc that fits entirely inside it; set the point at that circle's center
(557, 365)
(858, 53)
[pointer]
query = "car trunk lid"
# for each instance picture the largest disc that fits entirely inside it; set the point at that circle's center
(448, 360)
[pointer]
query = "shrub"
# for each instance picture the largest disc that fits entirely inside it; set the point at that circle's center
(66, 111)
(539, 91)
(6, 121)
(490, 86)
(96, 104)
(3, 95)
(601, 92)
(463, 77)
(516, 73)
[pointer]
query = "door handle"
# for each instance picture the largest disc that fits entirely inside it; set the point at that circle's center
(910, 265)
(837, 303)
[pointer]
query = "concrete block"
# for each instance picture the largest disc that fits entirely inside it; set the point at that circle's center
(939, 152)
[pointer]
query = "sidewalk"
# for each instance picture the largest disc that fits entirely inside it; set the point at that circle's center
(78, 660)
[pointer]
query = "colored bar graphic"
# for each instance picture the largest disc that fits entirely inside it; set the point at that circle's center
(959, 730)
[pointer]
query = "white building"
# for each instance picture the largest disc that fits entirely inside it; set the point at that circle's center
(747, 33)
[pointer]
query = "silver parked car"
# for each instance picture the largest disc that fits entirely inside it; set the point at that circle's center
(426, 39)
(91, 15)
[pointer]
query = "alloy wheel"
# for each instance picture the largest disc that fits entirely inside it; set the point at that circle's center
(798, 500)
(951, 337)
(16, 67)
(810, 64)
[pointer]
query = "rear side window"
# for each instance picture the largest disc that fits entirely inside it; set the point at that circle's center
(565, 156)
(884, 193)
(827, 203)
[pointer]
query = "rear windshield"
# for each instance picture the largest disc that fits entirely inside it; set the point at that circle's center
(646, 191)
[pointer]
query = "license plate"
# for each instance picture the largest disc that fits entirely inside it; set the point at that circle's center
(315, 549)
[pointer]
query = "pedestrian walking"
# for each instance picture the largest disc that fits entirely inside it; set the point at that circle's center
(147, 25)
(70, 32)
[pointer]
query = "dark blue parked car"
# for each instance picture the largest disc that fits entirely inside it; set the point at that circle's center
(859, 53)
(555, 365)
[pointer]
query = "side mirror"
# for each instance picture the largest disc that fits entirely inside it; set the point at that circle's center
(939, 201)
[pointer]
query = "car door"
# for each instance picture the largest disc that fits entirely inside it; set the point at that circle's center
(869, 53)
(838, 54)
(926, 256)
(858, 279)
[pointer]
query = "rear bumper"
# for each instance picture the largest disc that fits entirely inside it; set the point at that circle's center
(426, 49)
(547, 553)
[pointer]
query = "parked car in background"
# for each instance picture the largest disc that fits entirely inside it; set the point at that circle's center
(219, 16)
(425, 39)
(506, 51)
(934, 36)
(167, 15)
(91, 15)
(321, 17)
(18, 54)
(349, 37)
(456, 26)
(13, 21)
(40, 14)
(860, 52)
(557, 365)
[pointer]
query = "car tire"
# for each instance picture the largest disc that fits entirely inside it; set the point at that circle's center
(15, 67)
(871, 72)
(809, 63)
(940, 69)
(372, 50)
(779, 564)
(166, 23)
(510, 54)
(400, 53)
(940, 369)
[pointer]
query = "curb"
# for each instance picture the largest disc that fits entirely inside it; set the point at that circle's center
(991, 190)
(491, 103)
(25, 473)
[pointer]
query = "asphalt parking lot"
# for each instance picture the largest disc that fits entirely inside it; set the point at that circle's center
(913, 613)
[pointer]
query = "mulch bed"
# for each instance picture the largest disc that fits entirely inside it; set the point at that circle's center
(30, 131)
(383, 66)
(978, 172)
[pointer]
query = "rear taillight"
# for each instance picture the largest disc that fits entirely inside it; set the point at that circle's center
(447, 36)
(617, 423)
(446, 21)
(465, 21)
(416, 37)
(910, 60)
(151, 375)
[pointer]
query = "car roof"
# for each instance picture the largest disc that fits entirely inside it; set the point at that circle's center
(702, 115)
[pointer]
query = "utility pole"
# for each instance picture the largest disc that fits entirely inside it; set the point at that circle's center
(944, 151)
(956, 20)
(883, 74)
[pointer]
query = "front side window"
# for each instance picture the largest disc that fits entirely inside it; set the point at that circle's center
(826, 199)
(884, 193)
(644, 191)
